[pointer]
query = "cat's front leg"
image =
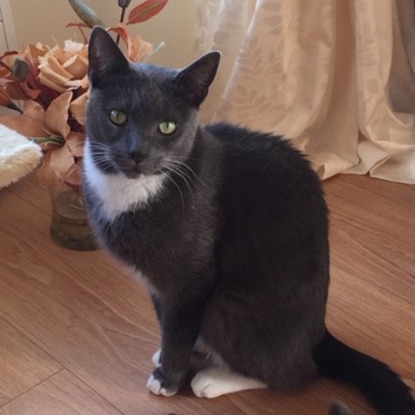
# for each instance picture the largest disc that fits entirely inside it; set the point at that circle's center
(180, 327)
(156, 359)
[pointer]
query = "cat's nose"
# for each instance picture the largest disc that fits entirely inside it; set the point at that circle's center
(137, 156)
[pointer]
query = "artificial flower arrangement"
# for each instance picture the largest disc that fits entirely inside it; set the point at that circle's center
(49, 88)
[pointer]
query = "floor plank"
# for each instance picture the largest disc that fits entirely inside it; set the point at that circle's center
(84, 311)
(32, 191)
(22, 364)
(373, 232)
(60, 394)
(373, 268)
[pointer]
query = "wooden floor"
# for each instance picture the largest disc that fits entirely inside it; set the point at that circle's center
(77, 335)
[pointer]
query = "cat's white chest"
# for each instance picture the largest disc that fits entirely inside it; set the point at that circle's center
(117, 193)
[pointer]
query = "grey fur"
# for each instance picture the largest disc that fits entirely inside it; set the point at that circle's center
(338, 408)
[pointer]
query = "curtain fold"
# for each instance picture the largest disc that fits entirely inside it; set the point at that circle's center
(335, 76)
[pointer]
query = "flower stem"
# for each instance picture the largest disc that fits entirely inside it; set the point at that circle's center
(121, 21)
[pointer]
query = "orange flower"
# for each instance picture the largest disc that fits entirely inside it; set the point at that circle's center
(137, 49)
(13, 66)
(78, 107)
(34, 51)
(65, 68)
(8, 61)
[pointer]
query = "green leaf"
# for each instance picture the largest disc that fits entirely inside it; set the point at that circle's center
(85, 13)
(46, 140)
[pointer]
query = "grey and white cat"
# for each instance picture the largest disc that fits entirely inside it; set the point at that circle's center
(229, 229)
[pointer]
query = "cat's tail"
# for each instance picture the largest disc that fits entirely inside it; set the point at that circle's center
(380, 385)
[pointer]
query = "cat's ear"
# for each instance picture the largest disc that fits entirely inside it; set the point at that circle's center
(104, 56)
(194, 81)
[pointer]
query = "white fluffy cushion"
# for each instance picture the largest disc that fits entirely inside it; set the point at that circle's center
(18, 156)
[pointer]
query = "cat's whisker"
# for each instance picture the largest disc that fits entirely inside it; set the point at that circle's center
(184, 165)
(103, 166)
(99, 150)
(98, 144)
(99, 147)
(183, 177)
(177, 161)
(184, 158)
(103, 163)
(99, 153)
(178, 168)
(184, 173)
(100, 157)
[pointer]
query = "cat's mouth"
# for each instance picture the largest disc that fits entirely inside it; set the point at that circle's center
(130, 172)
(133, 174)
(125, 166)
(135, 171)
(131, 169)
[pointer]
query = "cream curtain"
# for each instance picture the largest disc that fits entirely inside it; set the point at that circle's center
(335, 76)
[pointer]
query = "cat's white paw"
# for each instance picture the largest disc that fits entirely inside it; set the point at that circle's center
(216, 381)
(157, 358)
(204, 385)
(154, 386)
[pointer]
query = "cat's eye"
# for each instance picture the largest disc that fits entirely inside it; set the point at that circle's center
(118, 117)
(167, 127)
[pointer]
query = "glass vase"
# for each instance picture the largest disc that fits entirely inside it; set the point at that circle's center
(70, 227)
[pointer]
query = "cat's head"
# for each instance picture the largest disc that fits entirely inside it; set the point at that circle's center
(141, 116)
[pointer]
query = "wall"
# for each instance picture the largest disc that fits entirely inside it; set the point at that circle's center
(45, 20)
